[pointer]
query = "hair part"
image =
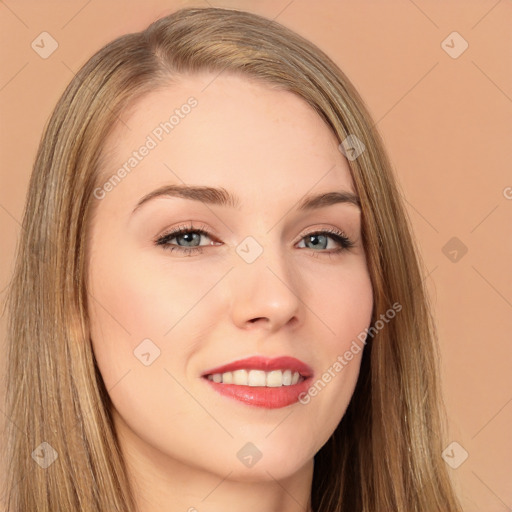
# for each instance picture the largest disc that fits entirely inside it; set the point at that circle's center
(386, 452)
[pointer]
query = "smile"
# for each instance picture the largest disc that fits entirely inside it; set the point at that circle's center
(261, 382)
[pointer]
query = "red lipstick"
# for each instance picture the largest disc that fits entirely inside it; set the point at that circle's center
(262, 396)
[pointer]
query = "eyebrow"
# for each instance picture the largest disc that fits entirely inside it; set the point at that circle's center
(221, 197)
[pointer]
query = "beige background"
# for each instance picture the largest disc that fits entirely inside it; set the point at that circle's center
(447, 123)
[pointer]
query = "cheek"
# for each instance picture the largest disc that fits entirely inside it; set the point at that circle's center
(125, 308)
(345, 305)
(131, 306)
(345, 310)
(131, 302)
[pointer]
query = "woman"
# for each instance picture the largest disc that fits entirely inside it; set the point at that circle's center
(150, 371)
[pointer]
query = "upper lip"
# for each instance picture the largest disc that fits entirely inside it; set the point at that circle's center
(264, 363)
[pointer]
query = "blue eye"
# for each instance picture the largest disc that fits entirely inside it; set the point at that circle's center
(189, 237)
(318, 237)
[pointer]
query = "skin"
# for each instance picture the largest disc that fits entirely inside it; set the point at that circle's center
(179, 437)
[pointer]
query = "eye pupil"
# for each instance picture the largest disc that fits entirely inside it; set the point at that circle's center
(316, 242)
(189, 237)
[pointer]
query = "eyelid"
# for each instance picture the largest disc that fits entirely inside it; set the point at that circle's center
(320, 231)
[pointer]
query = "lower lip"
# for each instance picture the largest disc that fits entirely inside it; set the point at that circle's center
(268, 398)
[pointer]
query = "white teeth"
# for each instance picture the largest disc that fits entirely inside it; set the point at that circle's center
(240, 377)
(258, 378)
(274, 379)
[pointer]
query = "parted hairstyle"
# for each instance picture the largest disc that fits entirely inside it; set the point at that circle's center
(385, 454)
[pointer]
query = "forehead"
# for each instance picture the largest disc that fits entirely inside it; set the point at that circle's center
(226, 130)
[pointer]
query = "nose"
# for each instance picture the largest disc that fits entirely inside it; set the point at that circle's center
(265, 293)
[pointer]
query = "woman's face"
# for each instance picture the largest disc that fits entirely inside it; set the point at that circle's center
(163, 315)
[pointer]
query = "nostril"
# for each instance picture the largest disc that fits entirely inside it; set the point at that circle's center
(252, 320)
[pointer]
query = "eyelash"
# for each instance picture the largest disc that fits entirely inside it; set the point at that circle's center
(337, 235)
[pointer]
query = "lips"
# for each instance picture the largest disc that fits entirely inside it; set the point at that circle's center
(261, 396)
(265, 364)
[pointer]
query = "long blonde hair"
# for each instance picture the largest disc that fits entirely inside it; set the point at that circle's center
(385, 455)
